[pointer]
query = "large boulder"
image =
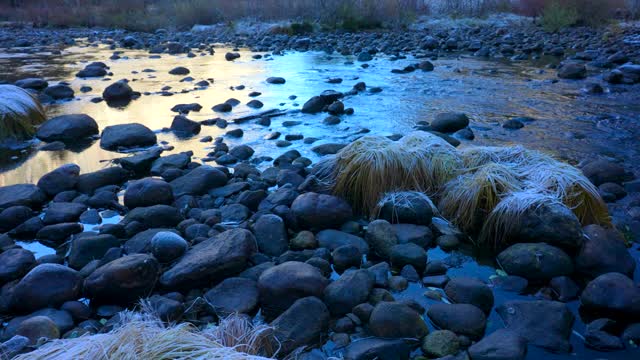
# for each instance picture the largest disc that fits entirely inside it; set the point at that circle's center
(302, 324)
(46, 285)
(538, 262)
(319, 211)
(396, 320)
(198, 181)
(148, 192)
(123, 280)
(21, 195)
(603, 251)
(612, 296)
(61, 179)
(212, 260)
(462, 319)
(351, 289)
(542, 323)
(68, 128)
(233, 295)
(280, 286)
(127, 136)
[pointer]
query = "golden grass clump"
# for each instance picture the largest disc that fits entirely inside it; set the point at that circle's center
(142, 336)
(506, 217)
(20, 112)
(572, 188)
(469, 198)
(374, 165)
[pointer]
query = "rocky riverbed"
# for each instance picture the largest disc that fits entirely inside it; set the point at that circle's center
(179, 167)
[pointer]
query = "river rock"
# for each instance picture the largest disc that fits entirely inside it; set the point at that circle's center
(148, 192)
(167, 246)
(396, 320)
(408, 254)
(572, 70)
(154, 216)
(603, 251)
(542, 323)
(21, 194)
(553, 224)
(127, 136)
(271, 234)
(333, 239)
(281, 285)
(612, 295)
(87, 247)
(89, 182)
(351, 289)
(319, 211)
(15, 263)
(38, 327)
(538, 262)
(14, 216)
(449, 122)
(377, 348)
(603, 171)
(180, 70)
(58, 233)
(141, 242)
(502, 344)
(406, 208)
(276, 80)
(302, 324)
(123, 280)
(61, 179)
(67, 128)
(462, 319)
(32, 83)
(59, 92)
(381, 238)
(233, 295)
(93, 70)
(198, 181)
(63, 212)
(464, 290)
(119, 91)
(183, 126)
(46, 285)
(440, 343)
(313, 105)
(173, 161)
(212, 260)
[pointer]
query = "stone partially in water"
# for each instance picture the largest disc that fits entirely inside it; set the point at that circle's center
(613, 296)
(127, 136)
(319, 211)
(396, 320)
(449, 122)
(538, 262)
(501, 344)
(148, 192)
(67, 128)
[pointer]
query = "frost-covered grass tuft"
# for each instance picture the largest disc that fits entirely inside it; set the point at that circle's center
(20, 113)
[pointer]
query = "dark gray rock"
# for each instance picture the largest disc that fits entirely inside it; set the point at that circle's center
(148, 192)
(198, 181)
(396, 320)
(212, 260)
(377, 348)
(233, 295)
(167, 246)
(271, 235)
(61, 179)
(21, 195)
(381, 238)
(87, 247)
(15, 263)
(127, 136)
(449, 122)
(302, 324)
(462, 319)
(123, 280)
(542, 323)
(500, 345)
(613, 296)
(538, 262)
(333, 239)
(603, 251)
(351, 289)
(46, 285)
(319, 211)
(464, 290)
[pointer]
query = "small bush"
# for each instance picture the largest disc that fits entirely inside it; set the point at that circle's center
(557, 16)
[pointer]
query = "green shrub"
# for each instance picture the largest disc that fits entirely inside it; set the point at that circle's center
(557, 15)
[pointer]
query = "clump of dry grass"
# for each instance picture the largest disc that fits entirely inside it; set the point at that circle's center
(375, 165)
(20, 112)
(142, 336)
(469, 198)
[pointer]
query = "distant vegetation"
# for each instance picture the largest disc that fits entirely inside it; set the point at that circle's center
(351, 15)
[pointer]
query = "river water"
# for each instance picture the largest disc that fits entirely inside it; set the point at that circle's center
(568, 122)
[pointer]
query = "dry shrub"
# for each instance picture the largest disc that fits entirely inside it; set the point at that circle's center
(20, 112)
(374, 165)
